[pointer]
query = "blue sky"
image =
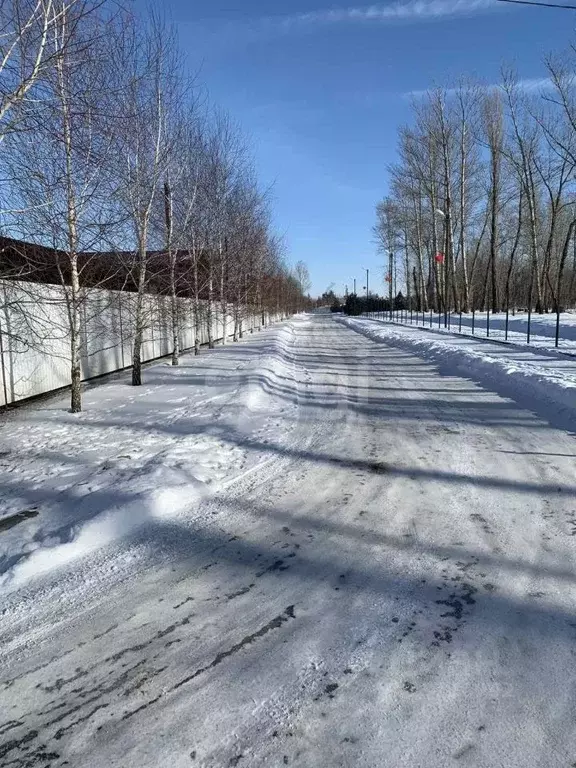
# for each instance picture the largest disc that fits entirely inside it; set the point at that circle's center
(321, 87)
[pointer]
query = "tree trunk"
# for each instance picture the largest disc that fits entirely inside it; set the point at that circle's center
(534, 244)
(463, 252)
(196, 308)
(139, 318)
(573, 275)
(223, 257)
(449, 266)
(494, 195)
(419, 304)
(436, 283)
(475, 257)
(485, 302)
(173, 288)
(554, 206)
(210, 312)
(452, 265)
(175, 331)
(72, 234)
(75, 340)
(514, 250)
(563, 259)
(261, 319)
(407, 271)
(423, 302)
(235, 337)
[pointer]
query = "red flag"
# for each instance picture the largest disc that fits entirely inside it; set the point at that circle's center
(439, 258)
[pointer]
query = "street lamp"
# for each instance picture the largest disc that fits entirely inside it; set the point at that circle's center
(367, 286)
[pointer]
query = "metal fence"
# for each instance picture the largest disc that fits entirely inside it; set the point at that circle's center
(34, 335)
(518, 327)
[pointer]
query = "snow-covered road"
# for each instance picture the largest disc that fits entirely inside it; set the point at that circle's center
(383, 574)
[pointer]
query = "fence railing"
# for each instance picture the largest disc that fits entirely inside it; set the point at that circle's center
(527, 327)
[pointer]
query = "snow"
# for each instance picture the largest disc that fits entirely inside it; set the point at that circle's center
(543, 379)
(542, 327)
(332, 544)
(130, 457)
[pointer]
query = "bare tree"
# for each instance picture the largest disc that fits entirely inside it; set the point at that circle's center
(467, 100)
(27, 55)
(494, 133)
(153, 79)
(63, 177)
(525, 137)
(182, 203)
(303, 277)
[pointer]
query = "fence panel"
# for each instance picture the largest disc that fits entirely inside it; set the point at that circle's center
(34, 335)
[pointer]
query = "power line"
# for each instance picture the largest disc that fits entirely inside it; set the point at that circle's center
(543, 5)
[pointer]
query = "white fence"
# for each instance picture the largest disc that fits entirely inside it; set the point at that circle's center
(35, 341)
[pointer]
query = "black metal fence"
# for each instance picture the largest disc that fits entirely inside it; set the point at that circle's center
(483, 325)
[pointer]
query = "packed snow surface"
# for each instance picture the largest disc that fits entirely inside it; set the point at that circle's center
(337, 543)
(541, 378)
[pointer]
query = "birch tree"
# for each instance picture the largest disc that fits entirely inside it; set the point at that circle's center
(27, 57)
(63, 179)
(149, 59)
(227, 154)
(27, 53)
(467, 100)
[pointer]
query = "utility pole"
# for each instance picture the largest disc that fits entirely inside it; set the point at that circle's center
(354, 286)
(367, 279)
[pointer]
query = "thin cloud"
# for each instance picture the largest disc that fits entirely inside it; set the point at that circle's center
(535, 85)
(234, 33)
(412, 11)
(528, 85)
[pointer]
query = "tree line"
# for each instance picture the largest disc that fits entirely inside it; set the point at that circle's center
(117, 164)
(481, 210)
(355, 305)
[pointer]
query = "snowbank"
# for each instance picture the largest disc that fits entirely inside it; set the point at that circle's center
(542, 380)
(542, 328)
(73, 484)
